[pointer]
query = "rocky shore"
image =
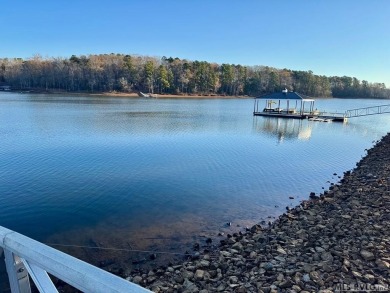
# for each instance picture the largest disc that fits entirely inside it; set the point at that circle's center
(338, 240)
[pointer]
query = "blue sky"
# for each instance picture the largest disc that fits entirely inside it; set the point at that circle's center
(339, 37)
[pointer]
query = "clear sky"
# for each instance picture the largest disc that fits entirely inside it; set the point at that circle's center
(329, 37)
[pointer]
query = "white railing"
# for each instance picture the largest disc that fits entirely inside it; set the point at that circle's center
(374, 110)
(25, 256)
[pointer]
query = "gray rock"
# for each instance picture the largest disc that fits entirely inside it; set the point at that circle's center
(233, 280)
(346, 263)
(356, 274)
(367, 255)
(237, 246)
(327, 256)
(382, 264)
(281, 250)
(179, 279)
(225, 253)
(203, 264)
(306, 278)
(280, 277)
(280, 258)
(187, 274)
(307, 268)
(137, 279)
(241, 289)
(369, 278)
(268, 266)
(151, 279)
(296, 288)
(315, 277)
(286, 284)
(221, 287)
(199, 275)
(189, 287)
(234, 285)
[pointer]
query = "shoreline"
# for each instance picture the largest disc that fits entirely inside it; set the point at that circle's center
(132, 95)
(331, 242)
(171, 96)
(161, 96)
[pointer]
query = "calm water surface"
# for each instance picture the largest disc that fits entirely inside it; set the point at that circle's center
(162, 173)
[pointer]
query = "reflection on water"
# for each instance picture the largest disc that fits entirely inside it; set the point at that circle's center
(284, 129)
(160, 174)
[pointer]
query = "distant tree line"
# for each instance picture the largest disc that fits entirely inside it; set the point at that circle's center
(132, 73)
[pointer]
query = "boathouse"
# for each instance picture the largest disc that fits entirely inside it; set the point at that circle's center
(285, 104)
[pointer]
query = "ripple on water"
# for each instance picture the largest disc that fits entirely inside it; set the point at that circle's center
(114, 171)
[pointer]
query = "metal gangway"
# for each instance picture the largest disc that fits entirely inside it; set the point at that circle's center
(367, 111)
(26, 257)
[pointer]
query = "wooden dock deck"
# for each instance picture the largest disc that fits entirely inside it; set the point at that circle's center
(280, 115)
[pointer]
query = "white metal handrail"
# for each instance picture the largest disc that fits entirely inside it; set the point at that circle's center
(374, 110)
(24, 255)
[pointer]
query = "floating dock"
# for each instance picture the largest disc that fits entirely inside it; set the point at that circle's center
(323, 117)
(281, 105)
(296, 106)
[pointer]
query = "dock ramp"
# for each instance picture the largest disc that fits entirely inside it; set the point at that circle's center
(374, 110)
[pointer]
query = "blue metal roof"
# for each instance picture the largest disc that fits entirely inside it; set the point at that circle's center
(283, 96)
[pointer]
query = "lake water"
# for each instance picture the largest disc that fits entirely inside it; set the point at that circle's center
(161, 174)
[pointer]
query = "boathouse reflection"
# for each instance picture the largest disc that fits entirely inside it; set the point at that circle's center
(283, 129)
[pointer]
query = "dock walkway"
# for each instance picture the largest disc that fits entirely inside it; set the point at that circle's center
(374, 110)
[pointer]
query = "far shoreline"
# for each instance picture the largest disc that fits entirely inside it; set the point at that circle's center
(160, 96)
(170, 96)
(134, 95)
